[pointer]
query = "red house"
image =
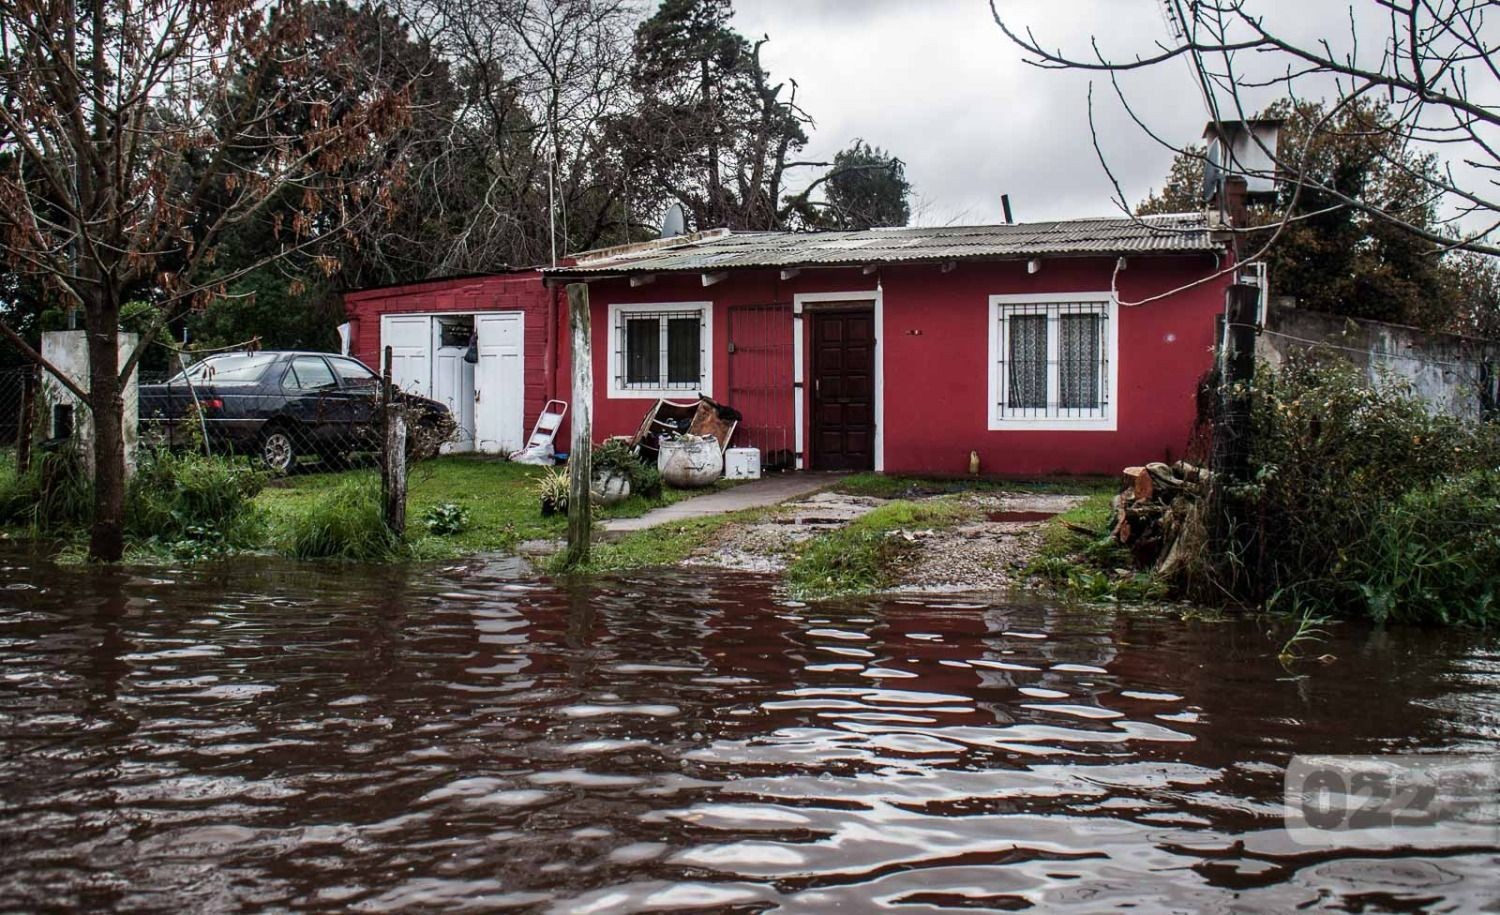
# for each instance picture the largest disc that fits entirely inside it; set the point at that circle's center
(1060, 347)
(1072, 347)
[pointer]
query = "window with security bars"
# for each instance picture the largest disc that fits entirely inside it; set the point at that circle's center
(660, 350)
(1052, 361)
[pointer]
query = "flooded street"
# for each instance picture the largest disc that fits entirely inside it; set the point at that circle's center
(274, 735)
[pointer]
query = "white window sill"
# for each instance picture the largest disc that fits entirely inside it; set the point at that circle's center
(658, 393)
(1054, 424)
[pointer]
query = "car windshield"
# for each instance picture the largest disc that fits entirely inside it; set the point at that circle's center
(230, 367)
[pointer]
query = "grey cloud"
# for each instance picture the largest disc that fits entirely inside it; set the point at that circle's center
(937, 83)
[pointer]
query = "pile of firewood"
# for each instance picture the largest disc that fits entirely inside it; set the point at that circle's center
(1158, 515)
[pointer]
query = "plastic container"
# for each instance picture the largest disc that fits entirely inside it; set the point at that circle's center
(742, 464)
(690, 463)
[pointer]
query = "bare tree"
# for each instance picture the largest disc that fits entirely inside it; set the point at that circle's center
(522, 165)
(137, 134)
(1432, 62)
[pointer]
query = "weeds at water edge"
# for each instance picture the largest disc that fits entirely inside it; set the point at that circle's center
(1092, 566)
(345, 523)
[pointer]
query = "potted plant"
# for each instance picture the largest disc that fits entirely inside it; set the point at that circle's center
(614, 466)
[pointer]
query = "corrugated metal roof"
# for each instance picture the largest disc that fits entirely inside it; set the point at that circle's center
(1169, 234)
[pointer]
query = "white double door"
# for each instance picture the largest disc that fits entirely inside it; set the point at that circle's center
(487, 399)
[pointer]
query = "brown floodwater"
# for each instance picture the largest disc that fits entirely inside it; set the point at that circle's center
(270, 735)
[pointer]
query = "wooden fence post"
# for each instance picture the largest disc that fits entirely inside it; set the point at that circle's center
(580, 456)
(394, 479)
(393, 463)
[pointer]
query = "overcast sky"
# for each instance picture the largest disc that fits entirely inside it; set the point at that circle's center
(938, 84)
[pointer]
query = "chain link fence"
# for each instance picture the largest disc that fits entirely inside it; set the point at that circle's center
(292, 412)
(18, 407)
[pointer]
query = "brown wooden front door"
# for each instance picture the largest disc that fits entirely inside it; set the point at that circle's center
(843, 389)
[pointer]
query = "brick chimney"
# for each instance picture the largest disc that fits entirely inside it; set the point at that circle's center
(1232, 205)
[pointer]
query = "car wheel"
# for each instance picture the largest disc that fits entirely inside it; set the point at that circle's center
(278, 450)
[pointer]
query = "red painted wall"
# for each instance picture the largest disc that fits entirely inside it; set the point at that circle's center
(519, 291)
(935, 340)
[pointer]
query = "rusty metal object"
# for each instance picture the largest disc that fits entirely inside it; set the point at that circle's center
(667, 417)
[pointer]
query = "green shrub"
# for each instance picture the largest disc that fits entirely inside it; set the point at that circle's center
(552, 491)
(1351, 486)
(54, 494)
(193, 504)
(12, 490)
(1434, 554)
(446, 518)
(346, 522)
(645, 481)
(614, 456)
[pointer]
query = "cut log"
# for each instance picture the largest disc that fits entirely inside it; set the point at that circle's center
(1145, 487)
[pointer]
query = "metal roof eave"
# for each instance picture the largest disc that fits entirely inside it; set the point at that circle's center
(558, 275)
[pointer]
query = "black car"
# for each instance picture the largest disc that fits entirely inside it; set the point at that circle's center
(283, 406)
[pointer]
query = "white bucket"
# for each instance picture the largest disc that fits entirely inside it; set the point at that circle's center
(689, 464)
(742, 464)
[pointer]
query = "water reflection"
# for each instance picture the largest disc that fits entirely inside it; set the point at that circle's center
(265, 735)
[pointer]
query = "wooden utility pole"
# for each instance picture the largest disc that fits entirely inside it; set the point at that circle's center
(393, 465)
(1231, 442)
(1231, 531)
(580, 454)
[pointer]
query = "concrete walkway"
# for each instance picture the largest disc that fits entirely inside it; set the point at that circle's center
(753, 494)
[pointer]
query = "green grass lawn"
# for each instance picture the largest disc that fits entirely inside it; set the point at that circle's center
(898, 486)
(499, 496)
(663, 545)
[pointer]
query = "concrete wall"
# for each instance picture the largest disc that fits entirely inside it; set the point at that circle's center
(68, 350)
(1455, 375)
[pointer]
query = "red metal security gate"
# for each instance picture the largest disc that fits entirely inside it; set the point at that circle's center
(760, 381)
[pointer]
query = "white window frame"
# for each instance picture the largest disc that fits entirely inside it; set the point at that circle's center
(1001, 306)
(619, 312)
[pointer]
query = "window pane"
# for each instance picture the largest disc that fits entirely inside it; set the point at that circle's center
(1078, 368)
(642, 351)
(354, 374)
(683, 355)
(312, 374)
(1027, 380)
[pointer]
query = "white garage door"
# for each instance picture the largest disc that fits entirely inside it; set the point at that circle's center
(499, 381)
(410, 340)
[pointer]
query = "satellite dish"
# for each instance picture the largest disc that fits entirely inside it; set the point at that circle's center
(674, 223)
